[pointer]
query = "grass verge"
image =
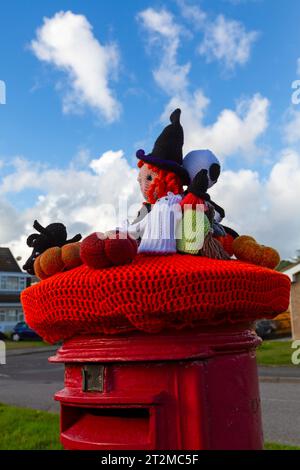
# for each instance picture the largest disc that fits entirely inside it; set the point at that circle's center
(26, 429)
(25, 344)
(275, 353)
(275, 446)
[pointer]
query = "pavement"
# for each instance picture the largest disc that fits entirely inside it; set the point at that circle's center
(279, 374)
(29, 380)
(25, 351)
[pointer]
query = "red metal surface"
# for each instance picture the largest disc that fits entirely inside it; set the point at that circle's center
(187, 390)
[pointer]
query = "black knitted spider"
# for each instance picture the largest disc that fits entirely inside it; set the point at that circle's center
(52, 235)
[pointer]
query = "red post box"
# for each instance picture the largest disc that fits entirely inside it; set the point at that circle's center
(184, 390)
(171, 364)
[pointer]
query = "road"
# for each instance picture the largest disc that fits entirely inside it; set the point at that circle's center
(30, 381)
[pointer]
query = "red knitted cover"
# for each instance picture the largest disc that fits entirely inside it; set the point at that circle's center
(153, 293)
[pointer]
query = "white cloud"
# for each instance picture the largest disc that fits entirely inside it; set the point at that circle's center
(193, 13)
(165, 33)
(11, 222)
(265, 208)
(108, 160)
(67, 41)
(233, 131)
(84, 200)
(227, 41)
(291, 129)
(160, 22)
(81, 159)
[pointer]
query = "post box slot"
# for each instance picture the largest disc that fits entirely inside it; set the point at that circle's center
(107, 426)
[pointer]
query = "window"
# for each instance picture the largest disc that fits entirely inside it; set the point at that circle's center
(12, 315)
(12, 283)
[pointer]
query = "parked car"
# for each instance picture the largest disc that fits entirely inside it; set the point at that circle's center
(22, 331)
(265, 328)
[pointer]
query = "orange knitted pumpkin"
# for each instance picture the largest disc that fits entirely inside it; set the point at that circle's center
(70, 255)
(38, 270)
(51, 262)
(247, 249)
(56, 259)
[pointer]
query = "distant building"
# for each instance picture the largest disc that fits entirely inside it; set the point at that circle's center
(293, 271)
(12, 282)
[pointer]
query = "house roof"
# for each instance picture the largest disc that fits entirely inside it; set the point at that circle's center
(284, 264)
(8, 262)
(290, 266)
(292, 270)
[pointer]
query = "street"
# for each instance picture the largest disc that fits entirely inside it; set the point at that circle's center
(30, 381)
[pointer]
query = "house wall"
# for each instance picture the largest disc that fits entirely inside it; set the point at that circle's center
(295, 307)
(9, 317)
(11, 312)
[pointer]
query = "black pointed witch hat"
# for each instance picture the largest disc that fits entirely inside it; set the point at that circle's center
(167, 150)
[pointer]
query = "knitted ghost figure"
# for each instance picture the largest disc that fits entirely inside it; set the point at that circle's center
(219, 241)
(204, 161)
(206, 166)
(196, 236)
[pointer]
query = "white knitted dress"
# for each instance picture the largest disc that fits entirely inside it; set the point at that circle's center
(158, 229)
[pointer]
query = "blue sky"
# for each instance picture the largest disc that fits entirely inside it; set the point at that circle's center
(38, 139)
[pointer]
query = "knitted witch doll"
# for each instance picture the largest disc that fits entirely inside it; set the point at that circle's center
(161, 180)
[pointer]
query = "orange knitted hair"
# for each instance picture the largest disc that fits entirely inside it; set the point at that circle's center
(164, 182)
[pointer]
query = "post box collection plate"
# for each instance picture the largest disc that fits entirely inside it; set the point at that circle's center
(93, 378)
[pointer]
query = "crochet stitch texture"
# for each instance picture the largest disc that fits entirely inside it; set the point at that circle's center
(153, 293)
